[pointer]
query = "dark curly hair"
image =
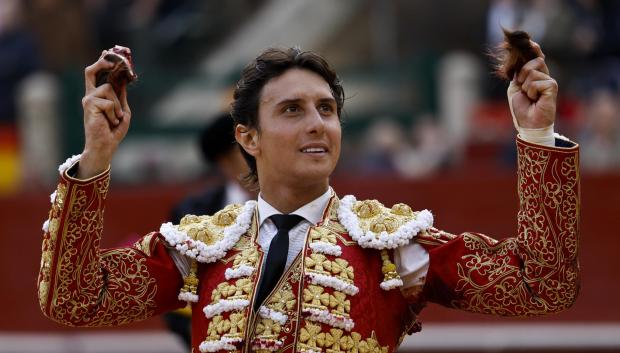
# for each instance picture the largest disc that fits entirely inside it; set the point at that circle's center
(272, 63)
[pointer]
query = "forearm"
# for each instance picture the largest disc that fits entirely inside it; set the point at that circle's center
(81, 285)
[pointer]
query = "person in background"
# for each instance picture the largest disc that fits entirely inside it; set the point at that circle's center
(220, 150)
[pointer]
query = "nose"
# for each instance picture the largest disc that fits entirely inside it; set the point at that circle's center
(316, 124)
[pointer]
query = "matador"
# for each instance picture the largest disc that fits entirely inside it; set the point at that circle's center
(356, 273)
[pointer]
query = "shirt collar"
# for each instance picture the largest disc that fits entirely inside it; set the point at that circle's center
(312, 211)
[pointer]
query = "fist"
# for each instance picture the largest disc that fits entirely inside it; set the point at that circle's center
(106, 111)
(532, 94)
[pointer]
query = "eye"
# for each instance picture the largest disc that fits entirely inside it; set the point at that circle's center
(291, 109)
(326, 108)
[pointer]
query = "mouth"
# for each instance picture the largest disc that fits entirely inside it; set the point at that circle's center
(314, 150)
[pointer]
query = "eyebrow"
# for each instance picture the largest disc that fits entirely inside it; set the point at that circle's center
(329, 100)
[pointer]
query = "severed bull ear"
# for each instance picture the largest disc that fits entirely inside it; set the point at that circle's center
(514, 52)
(122, 73)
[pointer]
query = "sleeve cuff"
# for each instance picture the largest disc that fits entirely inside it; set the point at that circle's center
(543, 136)
(68, 170)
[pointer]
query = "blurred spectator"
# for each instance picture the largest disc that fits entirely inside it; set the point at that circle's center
(18, 57)
(430, 151)
(384, 139)
(423, 151)
(600, 140)
(63, 33)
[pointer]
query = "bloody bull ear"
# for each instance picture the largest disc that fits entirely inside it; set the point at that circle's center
(514, 52)
(122, 73)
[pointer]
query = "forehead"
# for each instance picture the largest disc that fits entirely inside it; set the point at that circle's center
(295, 83)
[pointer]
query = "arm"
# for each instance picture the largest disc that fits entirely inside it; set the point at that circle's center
(82, 285)
(535, 273)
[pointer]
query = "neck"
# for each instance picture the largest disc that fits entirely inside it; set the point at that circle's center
(287, 199)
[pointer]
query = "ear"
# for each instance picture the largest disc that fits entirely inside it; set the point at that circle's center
(247, 138)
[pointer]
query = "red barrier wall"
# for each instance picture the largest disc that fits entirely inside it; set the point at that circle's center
(484, 203)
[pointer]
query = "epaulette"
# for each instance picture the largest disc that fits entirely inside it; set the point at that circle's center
(373, 225)
(208, 238)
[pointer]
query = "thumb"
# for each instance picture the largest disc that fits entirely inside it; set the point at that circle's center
(123, 99)
(513, 89)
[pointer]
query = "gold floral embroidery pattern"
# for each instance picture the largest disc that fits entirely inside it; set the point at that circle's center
(316, 297)
(209, 229)
(228, 328)
(341, 269)
(49, 244)
(249, 256)
(547, 279)
(240, 290)
(312, 339)
(283, 300)
(79, 294)
(322, 234)
(377, 218)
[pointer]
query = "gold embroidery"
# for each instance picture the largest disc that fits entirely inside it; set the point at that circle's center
(368, 208)
(282, 300)
(322, 234)
(240, 290)
(336, 341)
(145, 244)
(217, 327)
(332, 340)
(237, 324)
(308, 336)
(248, 256)
(388, 268)
(317, 263)
(268, 329)
(190, 282)
(375, 217)
(209, 229)
(340, 302)
(48, 245)
(315, 297)
(95, 288)
(402, 209)
(384, 224)
(222, 291)
(544, 278)
(341, 269)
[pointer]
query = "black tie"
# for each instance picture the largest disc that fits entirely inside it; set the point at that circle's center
(276, 257)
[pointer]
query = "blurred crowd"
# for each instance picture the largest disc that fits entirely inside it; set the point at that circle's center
(44, 44)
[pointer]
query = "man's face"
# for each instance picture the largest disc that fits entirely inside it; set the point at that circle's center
(299, 138)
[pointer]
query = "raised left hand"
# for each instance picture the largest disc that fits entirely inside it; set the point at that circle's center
(532, 94)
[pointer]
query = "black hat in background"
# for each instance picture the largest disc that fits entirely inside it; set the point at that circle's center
(217, 138)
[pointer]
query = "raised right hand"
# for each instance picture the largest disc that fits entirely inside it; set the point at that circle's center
(106, 121)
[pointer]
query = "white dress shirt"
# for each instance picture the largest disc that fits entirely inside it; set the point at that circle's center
(411, 260)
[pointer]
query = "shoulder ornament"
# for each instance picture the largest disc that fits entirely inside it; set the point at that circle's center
(208, 238)
(373, 225)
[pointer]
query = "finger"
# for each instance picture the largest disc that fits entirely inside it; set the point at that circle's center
(90, 72)
(542, 88)
(537, 64)
(537, 49)
(107, 92)
(123, 100)
(534, 76)
(107, 107)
